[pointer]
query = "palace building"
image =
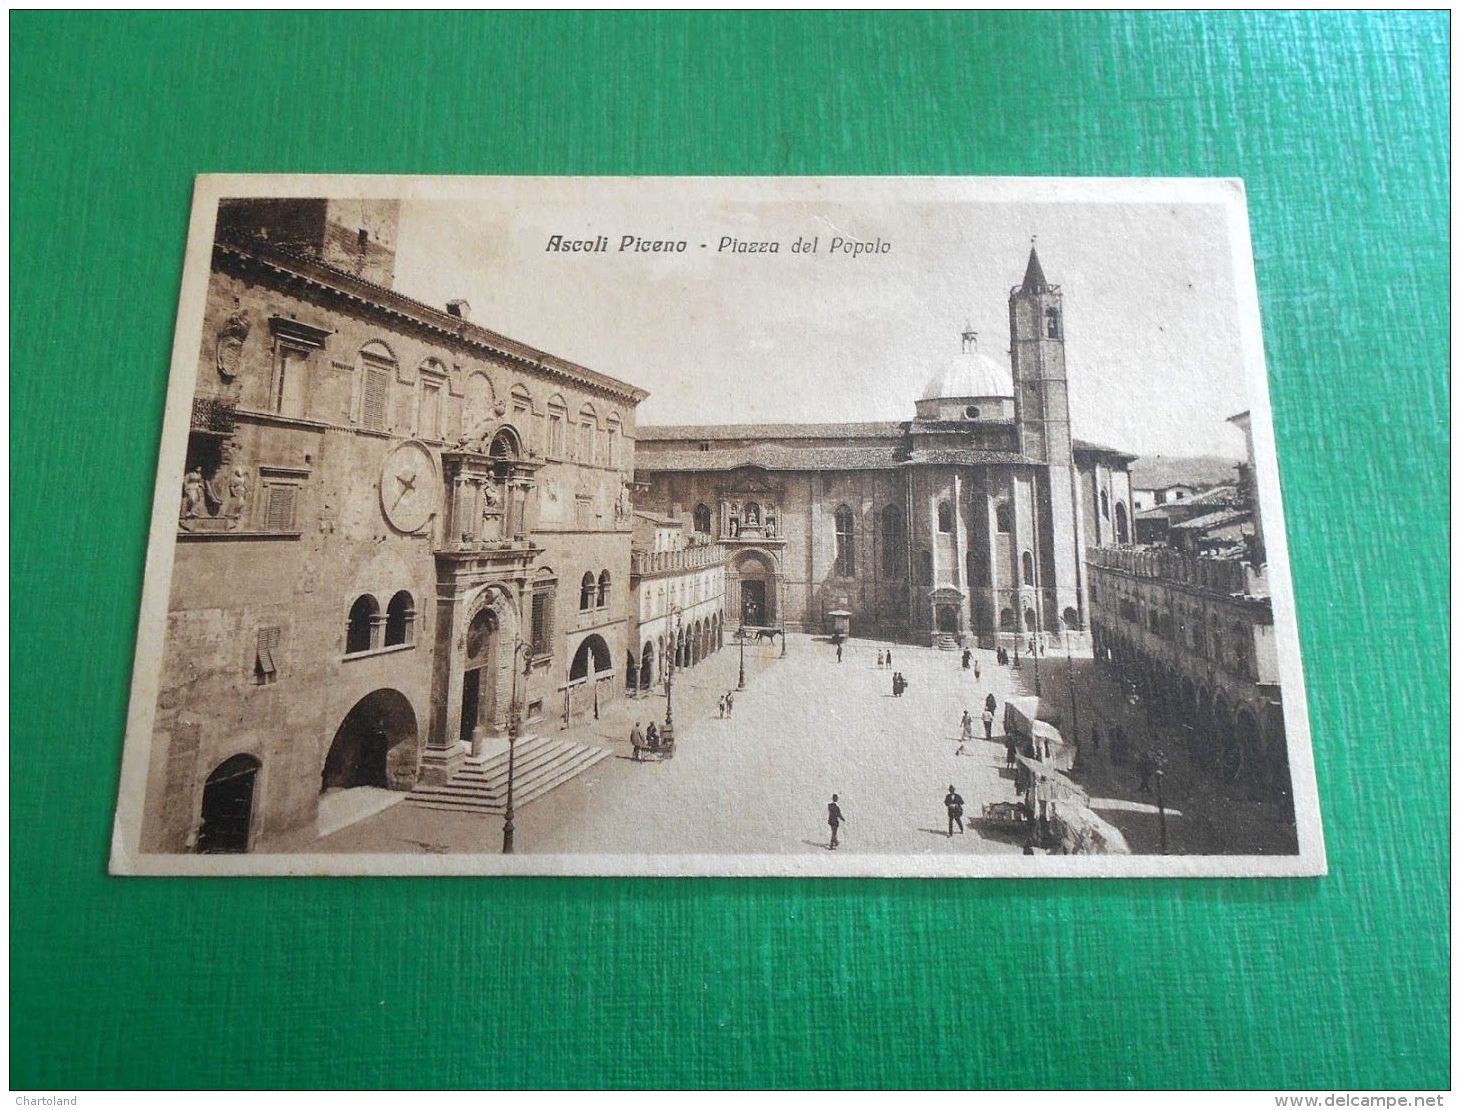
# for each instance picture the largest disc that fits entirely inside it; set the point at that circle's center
(966, 523)
(400, 535)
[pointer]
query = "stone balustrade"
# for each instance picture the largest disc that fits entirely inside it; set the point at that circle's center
(1225, 576)
(689, 558)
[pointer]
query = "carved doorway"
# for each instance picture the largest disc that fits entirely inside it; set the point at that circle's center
(479, 681)
(948, 619)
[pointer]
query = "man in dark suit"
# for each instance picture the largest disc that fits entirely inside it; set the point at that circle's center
(954, 803)
(834, 818)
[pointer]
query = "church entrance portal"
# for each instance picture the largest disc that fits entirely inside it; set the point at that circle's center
(752, 602)
(228, 805)
(947, 619)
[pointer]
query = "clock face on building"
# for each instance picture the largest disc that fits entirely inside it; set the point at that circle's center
(408, 487)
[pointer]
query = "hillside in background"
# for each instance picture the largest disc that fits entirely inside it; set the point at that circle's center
(1156, 471)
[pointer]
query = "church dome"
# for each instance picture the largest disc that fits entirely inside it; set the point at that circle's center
(969, 374)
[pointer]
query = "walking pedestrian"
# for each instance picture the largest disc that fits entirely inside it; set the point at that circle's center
(652, 738)
(729, 703)
(967, 658)
(722, 707)
(987, 716)
(834, 818)
(954, 802)
(976, 674)
(838, 651)
(889, 658)
(879, 659)
(965, 731)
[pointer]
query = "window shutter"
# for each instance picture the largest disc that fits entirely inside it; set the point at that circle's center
(279, 514)
(377, 380)
(268, 643)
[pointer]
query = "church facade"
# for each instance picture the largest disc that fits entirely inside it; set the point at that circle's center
(967, 523)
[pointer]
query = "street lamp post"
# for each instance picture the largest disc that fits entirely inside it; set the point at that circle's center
(741, 637)
(1161, 807)
(514, 726)
(676, 615)
(1074, 704)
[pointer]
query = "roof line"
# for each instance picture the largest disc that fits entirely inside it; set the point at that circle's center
(306, 266)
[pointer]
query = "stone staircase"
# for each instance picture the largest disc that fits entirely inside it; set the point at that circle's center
(945, 641)
(480, 786)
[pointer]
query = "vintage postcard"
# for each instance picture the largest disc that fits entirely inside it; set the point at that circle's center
(718, 526)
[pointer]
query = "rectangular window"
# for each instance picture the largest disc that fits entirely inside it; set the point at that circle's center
(373, 398)
(289, 381)
(541, 623)
(265, 663)
(429, 420)
(281, 504)
(555, 435)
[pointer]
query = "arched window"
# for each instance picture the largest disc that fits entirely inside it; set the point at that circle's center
(1028, 568)
(846, 560)
(400, 619)
(587, 592)
(522, 413)
(603, 583)
(1052, 322)
(1006, 620)
(360, 634)
(945, 516)
(702, 519)
(1071, 618)
(925, 568)
(1122, 525)
(1031, 622)
(587, 435)
(1105, 504)
(894, 543)
(1004, 516)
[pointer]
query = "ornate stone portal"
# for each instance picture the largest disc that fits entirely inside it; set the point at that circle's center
(483, 567)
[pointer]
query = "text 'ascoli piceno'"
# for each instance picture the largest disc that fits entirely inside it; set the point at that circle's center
(726, 244)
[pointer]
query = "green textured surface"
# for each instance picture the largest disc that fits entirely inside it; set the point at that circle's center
(1339, 125)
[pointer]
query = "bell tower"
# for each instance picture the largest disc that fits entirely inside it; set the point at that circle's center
(1042, 416)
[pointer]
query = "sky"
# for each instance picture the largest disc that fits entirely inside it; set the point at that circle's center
(1152, 346)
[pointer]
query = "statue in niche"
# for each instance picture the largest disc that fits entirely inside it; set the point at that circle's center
(193, 498)
(734, 519)
(624, 508)
(237, 498)
(752, 514)
(770, 523)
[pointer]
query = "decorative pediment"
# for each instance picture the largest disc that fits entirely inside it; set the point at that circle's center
(946, 595)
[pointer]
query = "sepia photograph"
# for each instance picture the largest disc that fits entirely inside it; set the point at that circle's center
(732, 526)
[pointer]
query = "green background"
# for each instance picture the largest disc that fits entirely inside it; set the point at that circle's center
(1338, 123)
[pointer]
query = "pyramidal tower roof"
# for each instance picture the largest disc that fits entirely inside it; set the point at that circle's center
(1034, 281)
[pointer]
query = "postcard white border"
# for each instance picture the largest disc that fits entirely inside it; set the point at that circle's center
(126, 857)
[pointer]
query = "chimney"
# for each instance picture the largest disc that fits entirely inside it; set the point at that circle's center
(458, 308)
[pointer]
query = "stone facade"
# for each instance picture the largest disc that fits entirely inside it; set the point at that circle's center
(381, 501)
(1195, 637)
(679, 599)
(966, 522)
